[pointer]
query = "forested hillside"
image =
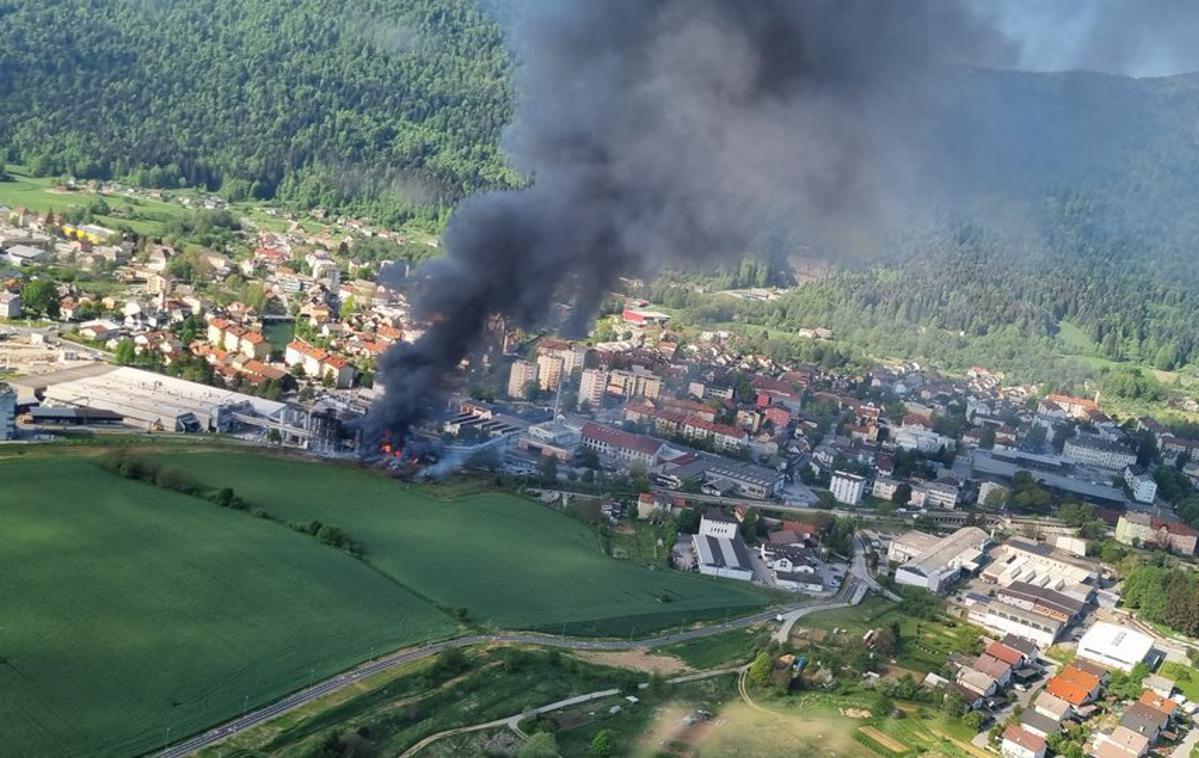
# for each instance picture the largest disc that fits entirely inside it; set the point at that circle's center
(386, 106)
(1060, 198)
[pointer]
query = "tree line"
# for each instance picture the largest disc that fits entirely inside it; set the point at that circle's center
(390, 108)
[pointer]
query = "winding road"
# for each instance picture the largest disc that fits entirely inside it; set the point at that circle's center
(852, 591)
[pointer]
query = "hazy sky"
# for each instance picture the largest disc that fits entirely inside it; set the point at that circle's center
(1133, 37)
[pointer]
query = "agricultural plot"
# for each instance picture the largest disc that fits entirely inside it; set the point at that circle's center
(926, 643)
(508, 562)
(144, 215)
(133, 616)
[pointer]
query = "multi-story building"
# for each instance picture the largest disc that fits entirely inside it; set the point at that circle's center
(592, 387)
(519, 376)
(573, 357)
(884, 488)
(630, 384)
(1010, 619)
(1141, 484)
(942, 493)
(1144, 529)
(1074, 407)
(630, 448)
(549, 372)
(8, 412)
(848, 488)
(1093, 450)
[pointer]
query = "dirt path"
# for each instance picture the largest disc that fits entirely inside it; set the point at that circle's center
(639, 660)
(885, 740)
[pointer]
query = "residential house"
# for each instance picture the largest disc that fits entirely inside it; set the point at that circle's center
(10, 305)
(1075, 686)
(1018, 743)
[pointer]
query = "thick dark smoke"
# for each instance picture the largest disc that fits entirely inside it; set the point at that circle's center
(677, 131)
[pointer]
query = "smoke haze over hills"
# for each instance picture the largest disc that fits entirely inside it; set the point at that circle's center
(680, 131)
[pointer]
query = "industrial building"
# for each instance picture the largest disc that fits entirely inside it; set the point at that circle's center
(1022, 560)
(1115, 646)
(155, 402)
(934, 563)
(1011, 619)
(1046, 602)
(1052, 471)
(720, 556)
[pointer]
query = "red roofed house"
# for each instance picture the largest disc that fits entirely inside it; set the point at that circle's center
(1075, 407)
(995, 668)
(1075, 686)
(1010, 656)
(1018, 743)
(216, 331)
(319, 363)
(254, 345)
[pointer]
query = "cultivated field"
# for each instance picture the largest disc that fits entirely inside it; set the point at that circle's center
(134, 615)
(127, 611)
(509, 562)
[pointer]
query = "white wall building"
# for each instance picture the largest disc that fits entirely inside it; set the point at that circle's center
(884, 488)
(1115, 646)
(592, 386)
(717, 556)
(1143, 486)
(1093, 450)
(719, 526)
(519, 377)
(10, 305)
(935, 564)
(1009, 619)
(8, 412)
(549, 372)
(848, 488)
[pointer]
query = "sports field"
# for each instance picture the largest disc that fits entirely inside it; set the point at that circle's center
(127, 611)
(510, 562)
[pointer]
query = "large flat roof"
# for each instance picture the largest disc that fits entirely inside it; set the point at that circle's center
(948, 548)
(149, 397)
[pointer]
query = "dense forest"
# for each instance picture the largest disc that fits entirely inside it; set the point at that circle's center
(386, 107)
(975, 295)
(1061, 201)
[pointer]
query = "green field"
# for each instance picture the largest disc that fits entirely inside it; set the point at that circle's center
(129, 611)
(134, 615)
(39, 195)
(508, 561)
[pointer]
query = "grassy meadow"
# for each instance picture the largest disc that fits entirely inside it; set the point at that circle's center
(135, 615)
(509, 562)
(129, 611)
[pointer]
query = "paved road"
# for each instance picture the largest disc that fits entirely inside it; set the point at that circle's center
(297, 699)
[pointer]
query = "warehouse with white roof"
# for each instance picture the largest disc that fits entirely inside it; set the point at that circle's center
(1115, 646)
(156, 402)
(934, 564)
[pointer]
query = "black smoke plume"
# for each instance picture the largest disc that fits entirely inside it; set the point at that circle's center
(678, 131)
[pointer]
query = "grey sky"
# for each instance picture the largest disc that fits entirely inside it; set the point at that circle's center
(1132, 37)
